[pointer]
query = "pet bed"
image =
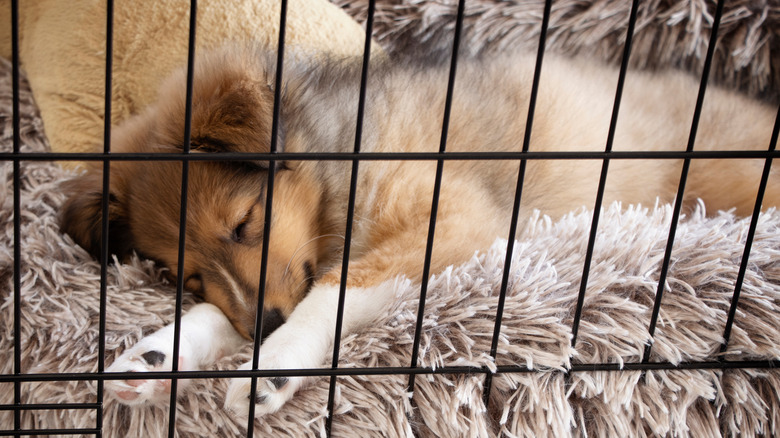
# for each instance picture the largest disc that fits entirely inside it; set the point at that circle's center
(60, 301)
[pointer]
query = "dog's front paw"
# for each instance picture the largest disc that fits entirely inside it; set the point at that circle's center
(153, 353)
(271, 394)
(304, 342)
(206, 335)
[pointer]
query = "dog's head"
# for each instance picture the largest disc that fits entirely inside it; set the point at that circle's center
(226, 201)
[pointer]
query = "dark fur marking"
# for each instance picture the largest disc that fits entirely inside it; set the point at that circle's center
(278, 382)
(308, 271)
(82, 219)
(154, 358)
(211, 144)
(259, 399)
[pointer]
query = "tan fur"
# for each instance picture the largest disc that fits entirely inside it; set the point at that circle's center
(232, 109)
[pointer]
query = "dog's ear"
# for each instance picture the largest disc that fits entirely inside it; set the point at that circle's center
(82, 217)
(236, 117)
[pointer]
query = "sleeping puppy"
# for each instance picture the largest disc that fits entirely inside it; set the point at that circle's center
(232, 112)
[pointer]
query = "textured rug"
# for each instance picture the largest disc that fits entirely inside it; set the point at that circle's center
(60, 302)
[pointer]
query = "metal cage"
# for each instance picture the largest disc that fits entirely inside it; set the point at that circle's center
(412, 370)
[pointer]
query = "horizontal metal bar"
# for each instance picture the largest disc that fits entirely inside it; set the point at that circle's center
(39, 432)
(49, 406)
(210, 374)
(393, 156)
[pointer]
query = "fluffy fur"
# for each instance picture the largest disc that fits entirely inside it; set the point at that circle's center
(232, 107)
(668, 34)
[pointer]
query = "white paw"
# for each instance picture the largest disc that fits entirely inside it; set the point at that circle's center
(153, 353)
(206, 335)
(305, 341)
(272, 392)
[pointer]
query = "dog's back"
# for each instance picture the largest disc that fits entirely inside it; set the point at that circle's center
(404, 113)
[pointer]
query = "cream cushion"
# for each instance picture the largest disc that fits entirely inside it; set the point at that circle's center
(62, 51)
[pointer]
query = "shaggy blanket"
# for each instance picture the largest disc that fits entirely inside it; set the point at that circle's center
(59, 330)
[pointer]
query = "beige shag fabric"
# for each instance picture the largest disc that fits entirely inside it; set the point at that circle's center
(669, 33)
(60, 318)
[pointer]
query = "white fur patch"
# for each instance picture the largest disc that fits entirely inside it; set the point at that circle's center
(306, 341)
(206, 335)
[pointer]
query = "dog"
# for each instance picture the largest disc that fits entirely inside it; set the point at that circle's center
(232, 111)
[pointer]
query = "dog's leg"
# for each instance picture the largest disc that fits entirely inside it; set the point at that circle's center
(206, 335)
(306, 341)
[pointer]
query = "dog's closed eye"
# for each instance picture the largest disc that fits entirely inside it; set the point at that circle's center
(239, 232)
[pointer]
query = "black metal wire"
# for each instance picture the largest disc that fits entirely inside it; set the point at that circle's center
(751, 234)
(50, 406)
(350, 214)
(436, 192)
(17, 210)
(182, 218)
(604, 170)
(17, 158)
(396, 156)
(211, 374)
(683, 177)
(104, 253)
(380, 371)
(42, 432)
(510, 244)
(269, 200)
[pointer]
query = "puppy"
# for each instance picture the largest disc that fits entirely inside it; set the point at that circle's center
(232, 111)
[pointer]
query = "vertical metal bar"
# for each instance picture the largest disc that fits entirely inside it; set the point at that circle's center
(269, 200)
(510, 245)
(436, 191)
(350, 214)
(604, 170)
(751, 234)
(183, 215)
(683, 178)
(104, 253)
(17, 211)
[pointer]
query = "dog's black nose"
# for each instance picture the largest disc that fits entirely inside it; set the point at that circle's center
(272, 319)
